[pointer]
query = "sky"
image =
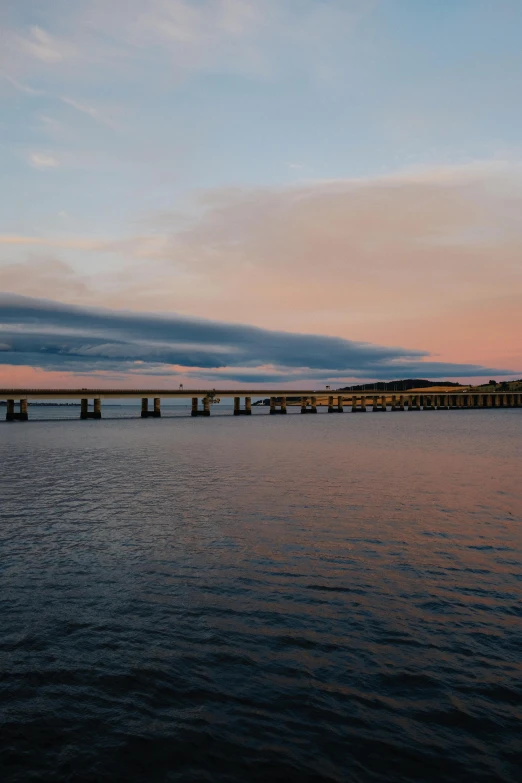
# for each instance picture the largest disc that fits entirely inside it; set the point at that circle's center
(239, 192)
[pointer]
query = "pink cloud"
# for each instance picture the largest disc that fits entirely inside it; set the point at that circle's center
(424, 259)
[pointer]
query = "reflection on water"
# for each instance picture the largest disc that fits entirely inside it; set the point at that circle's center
(328, 598)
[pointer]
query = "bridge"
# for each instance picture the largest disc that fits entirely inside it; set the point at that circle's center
(202, 399)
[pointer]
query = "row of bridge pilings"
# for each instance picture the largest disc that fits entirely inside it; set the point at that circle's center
(308, 404)
(205, 406)
(359, 403)
(431, 402)
(412, 402)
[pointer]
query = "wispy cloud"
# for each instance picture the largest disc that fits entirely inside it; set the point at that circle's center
(42, 161)
(43, 46)
(93, 112)
(126, 36)
(20, 86)
(90, 111)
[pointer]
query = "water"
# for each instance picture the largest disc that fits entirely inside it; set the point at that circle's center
(299, 598)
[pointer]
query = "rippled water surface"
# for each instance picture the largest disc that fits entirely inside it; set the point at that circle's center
(299, 598)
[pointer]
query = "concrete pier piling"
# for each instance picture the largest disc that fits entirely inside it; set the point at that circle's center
(414, 403)
(196, 410)
(428, 403)
(155, 412)
(358, 404)
(85, 413)
(308, 407)
(379, 403)
(397, 404)
(335, 408)
(247, 410)
(278, 405)
(11, 414)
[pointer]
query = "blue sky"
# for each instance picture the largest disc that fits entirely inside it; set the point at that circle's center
(343, 89)
(133, 131)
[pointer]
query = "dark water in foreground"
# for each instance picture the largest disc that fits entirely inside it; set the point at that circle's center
(319, 598)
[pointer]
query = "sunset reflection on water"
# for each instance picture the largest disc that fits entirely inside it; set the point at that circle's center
(300, 598)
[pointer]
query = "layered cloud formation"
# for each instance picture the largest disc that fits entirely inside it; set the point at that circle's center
(57, 337)
(426, 259)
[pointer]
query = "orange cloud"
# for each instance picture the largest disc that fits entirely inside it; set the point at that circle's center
(425, 259)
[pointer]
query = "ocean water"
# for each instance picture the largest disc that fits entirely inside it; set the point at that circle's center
(264, 598)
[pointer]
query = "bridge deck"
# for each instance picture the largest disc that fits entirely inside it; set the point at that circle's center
(72, 394)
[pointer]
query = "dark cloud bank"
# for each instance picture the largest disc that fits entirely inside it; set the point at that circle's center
(54, 336)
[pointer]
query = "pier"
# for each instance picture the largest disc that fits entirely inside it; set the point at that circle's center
(91, 400)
